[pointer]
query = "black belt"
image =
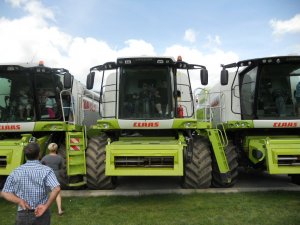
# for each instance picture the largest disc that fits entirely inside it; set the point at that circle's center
(27, 210)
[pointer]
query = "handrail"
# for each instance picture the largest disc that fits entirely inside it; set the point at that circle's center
(71, 107)
(223, 135)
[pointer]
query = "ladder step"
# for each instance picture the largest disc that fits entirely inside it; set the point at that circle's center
(78, 184)
(74, 153)
(75, 134)
(75, 163)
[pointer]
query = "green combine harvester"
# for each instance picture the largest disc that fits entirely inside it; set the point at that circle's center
(261, 113)
(44, 105)
(148, 126)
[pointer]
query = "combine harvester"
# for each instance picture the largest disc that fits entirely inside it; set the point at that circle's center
(260, 110)
(149, 126)
(44, 105)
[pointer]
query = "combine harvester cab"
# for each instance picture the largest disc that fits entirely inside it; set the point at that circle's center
(149, 126)
(261, 113)
(44, 105)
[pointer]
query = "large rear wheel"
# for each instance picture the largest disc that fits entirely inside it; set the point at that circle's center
(197, 173)
(95, 165)
(231, 156)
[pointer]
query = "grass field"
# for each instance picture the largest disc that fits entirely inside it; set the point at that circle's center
(282, 208)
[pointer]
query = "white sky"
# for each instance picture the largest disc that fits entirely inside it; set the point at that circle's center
(77, 35)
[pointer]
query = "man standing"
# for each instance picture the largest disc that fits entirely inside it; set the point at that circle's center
(28, 186)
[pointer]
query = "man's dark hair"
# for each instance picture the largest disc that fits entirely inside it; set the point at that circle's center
(32, 151)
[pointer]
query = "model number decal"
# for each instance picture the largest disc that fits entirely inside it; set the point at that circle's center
(285, 124)
(146, 124)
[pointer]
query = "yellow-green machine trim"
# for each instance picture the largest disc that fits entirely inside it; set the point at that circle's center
(281, 154)
(152, 156)
(75, 156)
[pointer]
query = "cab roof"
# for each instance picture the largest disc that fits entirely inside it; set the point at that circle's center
(265, 60)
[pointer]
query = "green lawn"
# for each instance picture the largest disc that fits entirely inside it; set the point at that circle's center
(282, 208)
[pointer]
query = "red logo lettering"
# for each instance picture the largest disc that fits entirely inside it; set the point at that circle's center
(146, 124)
(10, 127)
(285, 124)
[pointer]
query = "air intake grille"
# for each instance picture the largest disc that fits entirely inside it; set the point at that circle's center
(3, 161)
(144, 161)
(289, 160)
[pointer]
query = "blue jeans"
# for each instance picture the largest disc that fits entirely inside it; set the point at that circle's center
(27, 217)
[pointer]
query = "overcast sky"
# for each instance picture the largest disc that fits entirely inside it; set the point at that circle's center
(78, 34)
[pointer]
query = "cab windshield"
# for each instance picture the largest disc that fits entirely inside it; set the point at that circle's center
(27, 96)
(145, 92)
(271, 92)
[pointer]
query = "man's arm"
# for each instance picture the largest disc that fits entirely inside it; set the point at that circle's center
(15, 199)
(40, 209)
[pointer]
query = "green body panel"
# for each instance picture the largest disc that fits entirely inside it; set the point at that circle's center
(188, 123)
(157, 147)
(103, 125)
(276, 147)
(56, 126)
(112, 124)
(50, 126)
(145, 147)
(204, 125)
(242, 124)
(184, 123)
(273, 148)
(12, 154)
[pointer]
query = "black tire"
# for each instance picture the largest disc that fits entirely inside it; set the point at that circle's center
(95, 165)
(62, 175)
(197, 173)
(295, 178)
(231, 156)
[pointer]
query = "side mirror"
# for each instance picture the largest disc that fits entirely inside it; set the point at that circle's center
(224, 77)
(67, 81)
(204, 76)
(90, 80)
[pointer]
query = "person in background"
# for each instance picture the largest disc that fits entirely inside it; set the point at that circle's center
(297, 97)
(28, 186)
(55, 162)
(24, 104)
(144, 98)
(50, 104)
(157, 102)
(163, 92)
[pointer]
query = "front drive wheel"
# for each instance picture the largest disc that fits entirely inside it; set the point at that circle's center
(95, 165)
(197, 173)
